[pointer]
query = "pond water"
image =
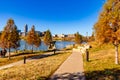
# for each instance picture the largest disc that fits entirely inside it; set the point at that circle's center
(43, 47)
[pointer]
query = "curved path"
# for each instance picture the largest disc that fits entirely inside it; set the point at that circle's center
(71, 69)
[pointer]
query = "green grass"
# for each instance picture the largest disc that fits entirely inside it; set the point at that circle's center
(101, 65)
(39, 69)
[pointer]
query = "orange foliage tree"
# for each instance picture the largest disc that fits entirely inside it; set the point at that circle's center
(107, 28)
(78, 38)
(48, 37)
(33, 38)
(10, 37)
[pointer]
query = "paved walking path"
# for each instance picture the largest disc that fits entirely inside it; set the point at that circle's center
(71, 69)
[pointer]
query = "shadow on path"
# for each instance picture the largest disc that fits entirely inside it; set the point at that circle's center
(68, 76)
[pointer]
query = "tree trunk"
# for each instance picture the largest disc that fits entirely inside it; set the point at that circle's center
(9, 53)
(32, 48)
(116, 55)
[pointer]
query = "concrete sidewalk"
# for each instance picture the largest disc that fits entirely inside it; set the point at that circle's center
(71, 69)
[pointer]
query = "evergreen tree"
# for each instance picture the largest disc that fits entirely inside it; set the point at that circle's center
(48, 37)
(107, 28)
(9, 37)
(33, 38)
(78, 38)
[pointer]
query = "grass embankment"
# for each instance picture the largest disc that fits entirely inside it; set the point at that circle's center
(102, 64)
(39, 69)
(18, 56)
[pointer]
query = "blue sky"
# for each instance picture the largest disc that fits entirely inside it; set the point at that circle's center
(60, 16)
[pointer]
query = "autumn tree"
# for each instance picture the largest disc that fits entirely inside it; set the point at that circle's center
(91, 38)
(9, 37)
(78, 38)
(48, 37)
(33, 38)
(15, 38)
(107, 28)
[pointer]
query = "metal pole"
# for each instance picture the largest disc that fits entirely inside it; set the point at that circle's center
(24, 59)
(87, 55)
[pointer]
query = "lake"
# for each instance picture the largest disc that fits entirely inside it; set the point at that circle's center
(43, 47)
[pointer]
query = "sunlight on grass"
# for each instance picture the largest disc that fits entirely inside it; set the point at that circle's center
(39, 69)
(101, 65)
(18, 56)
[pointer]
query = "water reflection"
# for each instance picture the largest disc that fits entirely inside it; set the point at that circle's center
(43, 47)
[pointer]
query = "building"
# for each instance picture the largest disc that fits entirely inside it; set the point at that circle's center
(19, 32)
(61, 35)
(71, 35)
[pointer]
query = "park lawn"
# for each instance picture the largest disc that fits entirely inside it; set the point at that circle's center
(18, 56)
(39, 69)
(101, 65)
